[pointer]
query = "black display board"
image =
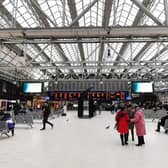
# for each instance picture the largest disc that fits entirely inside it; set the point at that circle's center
(97, 95)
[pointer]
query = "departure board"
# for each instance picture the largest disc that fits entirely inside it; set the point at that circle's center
(97, 95)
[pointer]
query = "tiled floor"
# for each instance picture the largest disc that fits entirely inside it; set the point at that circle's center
(81, 143)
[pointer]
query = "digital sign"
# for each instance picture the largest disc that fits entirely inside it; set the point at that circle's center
(72, 96)
(32, 87)
(142, 87)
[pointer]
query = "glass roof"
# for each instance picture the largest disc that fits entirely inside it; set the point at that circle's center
(80, 58)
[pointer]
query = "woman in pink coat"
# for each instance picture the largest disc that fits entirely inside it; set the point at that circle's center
(139, 125)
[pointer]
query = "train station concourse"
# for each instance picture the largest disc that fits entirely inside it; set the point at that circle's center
(83, 83)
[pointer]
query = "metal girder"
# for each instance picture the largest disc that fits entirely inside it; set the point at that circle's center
(88, 40)
(153, 59)
(166, 11)
(122, 51)
(105, 23)
(158, 54)
(17, 50)
(140, 14)
(107, 13)
(136, 21)
(43, 17)
(73, 12)
(142, 51)
(87, 32)
(146, 11)
(42, 50)
(82, 13)
(5, 13)
(101, 51)
(95, 64)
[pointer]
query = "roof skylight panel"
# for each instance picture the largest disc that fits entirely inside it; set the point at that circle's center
(96, 51)
(31, 50)
(22, 13)
(136, 48)
(76, 50)
(8, 5)
(39, 59)
(7, 58)
(7, 55)
(86, 51)
(93, 17)
(81, 5)
(132, 50)
(151, 52)
(128, 54)
(68, 51)
(54, 10)
(3, 23)
(164, 56)
(90, 55)
(71, 55)
(114, 51)
(154, 8)
(128, 13)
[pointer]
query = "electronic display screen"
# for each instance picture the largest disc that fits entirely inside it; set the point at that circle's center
(142, 87)
(72, 96)
(32, 87)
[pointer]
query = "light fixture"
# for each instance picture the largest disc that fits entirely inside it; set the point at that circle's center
(108, 52)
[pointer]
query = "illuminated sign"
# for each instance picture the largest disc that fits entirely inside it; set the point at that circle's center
(71, 96)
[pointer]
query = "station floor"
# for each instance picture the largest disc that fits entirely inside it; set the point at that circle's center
(81, 143)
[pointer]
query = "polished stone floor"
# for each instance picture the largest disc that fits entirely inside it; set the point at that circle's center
(81, 143)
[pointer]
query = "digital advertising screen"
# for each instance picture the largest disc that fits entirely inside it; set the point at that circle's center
(142, 87)
(32, 87)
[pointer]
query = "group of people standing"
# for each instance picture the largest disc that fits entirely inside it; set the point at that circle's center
(126, 118)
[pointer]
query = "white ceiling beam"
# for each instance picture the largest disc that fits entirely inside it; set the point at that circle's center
(75, 33)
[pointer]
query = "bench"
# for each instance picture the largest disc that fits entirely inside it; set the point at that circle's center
(24, 119)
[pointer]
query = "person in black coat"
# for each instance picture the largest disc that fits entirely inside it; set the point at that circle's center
(161, 122)
(16, 108)
(46, 113)
(131, 114)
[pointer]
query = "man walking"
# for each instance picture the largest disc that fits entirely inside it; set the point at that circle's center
(46, 113)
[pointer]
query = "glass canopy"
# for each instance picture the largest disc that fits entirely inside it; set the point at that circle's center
(79, 58)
